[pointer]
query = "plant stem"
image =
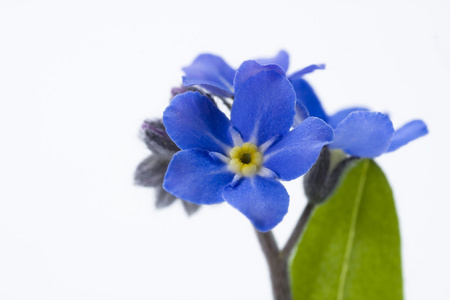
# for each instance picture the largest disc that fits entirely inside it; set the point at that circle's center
(277, 265)
(298, 230)
(278, 260)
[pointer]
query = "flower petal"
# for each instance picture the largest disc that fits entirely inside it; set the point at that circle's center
(196, 176)
(281, 59)
(264, 106)
(212, 73)
(307, 96)
(250, 68)
(263, 201)
(337, 118)
(363, 134)
(297, 152)
(193, 121)
(408, 133)
(307, 70)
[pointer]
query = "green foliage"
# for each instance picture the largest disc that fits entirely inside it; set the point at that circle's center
(351, 247)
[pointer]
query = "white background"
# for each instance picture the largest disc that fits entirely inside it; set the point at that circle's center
(77, 78)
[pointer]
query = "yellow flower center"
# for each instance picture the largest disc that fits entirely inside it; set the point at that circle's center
(245, 160)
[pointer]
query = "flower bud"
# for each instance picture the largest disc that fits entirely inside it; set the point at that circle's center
(156, 138)
(323, 178)
(314, 181)
(151, 171)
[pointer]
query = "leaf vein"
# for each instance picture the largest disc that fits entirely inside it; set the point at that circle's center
(351, 234)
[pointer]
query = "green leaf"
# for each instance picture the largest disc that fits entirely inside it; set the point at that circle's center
(351, 247)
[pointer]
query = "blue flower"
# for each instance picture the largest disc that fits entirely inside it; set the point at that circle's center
(213, 74)
(357, 131)
(240, 160)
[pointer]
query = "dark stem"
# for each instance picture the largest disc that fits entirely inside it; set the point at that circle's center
(278, 260)
(279, 275)
(298, 230)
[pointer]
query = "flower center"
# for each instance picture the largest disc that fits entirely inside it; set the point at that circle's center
(245, 160)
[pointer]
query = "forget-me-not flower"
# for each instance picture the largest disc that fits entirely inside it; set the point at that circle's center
(359, 132)
(241, 160)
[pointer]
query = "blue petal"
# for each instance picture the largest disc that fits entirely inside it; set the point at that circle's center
(263, 201)
(297, 152)
(307, 96)
(307, 70)
(281, 59)
(250, 68)
(193, 121)
(264, 106)
(212, 73)
(196, 176)
(408, 133)
(364, 134)
(337, 118)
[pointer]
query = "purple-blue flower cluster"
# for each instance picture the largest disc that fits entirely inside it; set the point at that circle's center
(358, 131)
(276, 132)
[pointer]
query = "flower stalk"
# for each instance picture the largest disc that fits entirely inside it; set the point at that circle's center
(277, 259)
(279, 275)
